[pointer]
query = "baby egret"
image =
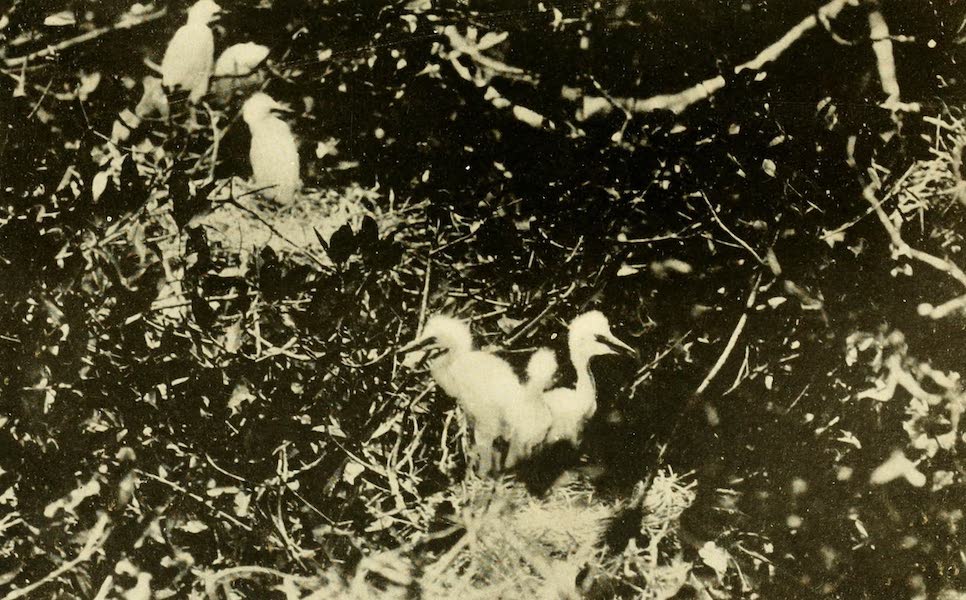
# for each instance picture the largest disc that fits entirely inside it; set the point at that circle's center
(589, 335)
(483, 384)
(190, 56)
(236, 70)
(274, 152)
(529, 421)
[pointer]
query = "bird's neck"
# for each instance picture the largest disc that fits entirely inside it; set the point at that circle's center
(586, 388)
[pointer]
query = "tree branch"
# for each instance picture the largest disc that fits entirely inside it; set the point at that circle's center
(679, 101)
(126, 23)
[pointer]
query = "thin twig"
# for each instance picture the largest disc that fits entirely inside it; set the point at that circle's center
(732, 340)
(742, 242)
(178, 487)
(643, 373)
(424, 300)
(903, 248)
(96, 537)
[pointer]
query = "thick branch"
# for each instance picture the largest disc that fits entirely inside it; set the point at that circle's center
(126, 23)
(679, 101)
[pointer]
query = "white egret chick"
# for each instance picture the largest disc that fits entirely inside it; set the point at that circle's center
(483, 384)
(529, 422)
(236, 70)
(189, 59)
(589, 335)
(274, 152)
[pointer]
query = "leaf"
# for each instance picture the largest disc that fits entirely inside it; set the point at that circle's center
(242, 501)
(627, 270)
(342, 244)
(491, 39)
(895, 467)
(99, 184)
(61, 19)
(322, 242)
(88, 85)
(193, 526)
(768, 166)
(368, 232)
(270, 274)
(187, 205)
(240, 396)
(386, 255)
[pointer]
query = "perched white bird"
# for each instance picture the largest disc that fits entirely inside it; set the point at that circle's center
(274, 152)
(189, 59)
(589, 335)
(483, 384)
(529, 422)
(236, 70)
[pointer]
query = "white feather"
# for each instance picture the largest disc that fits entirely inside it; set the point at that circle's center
(189, 58)
(240, 59)
(530, 420)
(589, 335)
(483, 384)
(274, 151)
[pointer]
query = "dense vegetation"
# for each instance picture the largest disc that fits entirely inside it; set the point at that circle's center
(200, 395)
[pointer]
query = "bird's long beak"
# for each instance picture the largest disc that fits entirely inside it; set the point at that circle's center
(617, 346)
(416, 344)
(283, 108)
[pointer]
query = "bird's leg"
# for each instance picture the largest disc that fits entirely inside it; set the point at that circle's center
(484, 453)
(516, 451)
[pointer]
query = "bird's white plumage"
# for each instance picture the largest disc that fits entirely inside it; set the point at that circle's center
(483, 384)
(274, 151)
(530, 420)
(240, 59)
(589, 335)
(541, 370)
(189, 58)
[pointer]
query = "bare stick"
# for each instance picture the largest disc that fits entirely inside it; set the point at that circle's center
(678, 102)
(424, 301)
(882, 46)
(742, 242)
(731, 341)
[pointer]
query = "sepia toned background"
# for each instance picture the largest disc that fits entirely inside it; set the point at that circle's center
(200, 389)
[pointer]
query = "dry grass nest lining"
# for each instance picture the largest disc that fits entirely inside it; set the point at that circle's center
(944, 173)
(517, 546)
(290, 230)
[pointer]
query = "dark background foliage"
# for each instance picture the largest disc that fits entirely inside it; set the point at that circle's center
(226, 434)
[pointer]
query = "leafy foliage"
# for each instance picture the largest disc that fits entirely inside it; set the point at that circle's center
(200, 394)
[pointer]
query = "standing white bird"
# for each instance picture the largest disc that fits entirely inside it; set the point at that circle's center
(483, 384)
(589, 335)
(274, 152)
(189, 59)
(529, 422)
